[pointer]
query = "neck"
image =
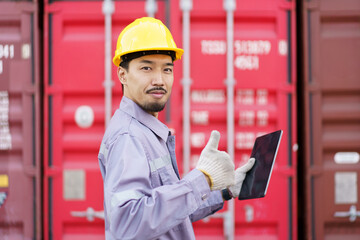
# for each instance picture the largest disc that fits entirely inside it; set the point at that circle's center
(155, 114)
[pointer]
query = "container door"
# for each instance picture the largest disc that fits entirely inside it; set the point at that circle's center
(332, 116)
(74, 120)
(74, 113)
(20, 216)
(264, 100)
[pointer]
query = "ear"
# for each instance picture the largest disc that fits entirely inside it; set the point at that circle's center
(121, 72)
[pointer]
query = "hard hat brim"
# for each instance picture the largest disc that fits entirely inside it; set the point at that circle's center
(178, 53)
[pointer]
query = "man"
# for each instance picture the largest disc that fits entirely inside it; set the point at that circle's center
(144, 197)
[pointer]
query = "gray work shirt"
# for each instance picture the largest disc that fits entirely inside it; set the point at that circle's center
(143, 195)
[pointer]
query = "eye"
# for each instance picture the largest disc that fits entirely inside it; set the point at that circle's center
(146, 68)
(168, 70)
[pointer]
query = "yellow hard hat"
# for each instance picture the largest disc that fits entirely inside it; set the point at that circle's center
(145, 34)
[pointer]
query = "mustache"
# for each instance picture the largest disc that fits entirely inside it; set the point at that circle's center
(156, 89)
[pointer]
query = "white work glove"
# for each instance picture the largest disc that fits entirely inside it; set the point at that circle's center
(240, 174)
(217, 165)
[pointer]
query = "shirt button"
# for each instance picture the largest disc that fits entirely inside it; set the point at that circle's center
(204, 197)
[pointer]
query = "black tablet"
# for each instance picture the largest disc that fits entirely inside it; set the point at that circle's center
(257, 178)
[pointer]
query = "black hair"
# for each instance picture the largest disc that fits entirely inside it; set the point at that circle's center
(125, 59)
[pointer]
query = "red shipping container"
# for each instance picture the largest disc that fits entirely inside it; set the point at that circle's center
(264, 101)
(74, 121)
(20, 202)
(331, 116)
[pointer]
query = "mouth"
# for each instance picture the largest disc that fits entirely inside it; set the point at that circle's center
(156, 92)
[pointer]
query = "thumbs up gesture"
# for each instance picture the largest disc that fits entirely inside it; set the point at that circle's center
(217, 165)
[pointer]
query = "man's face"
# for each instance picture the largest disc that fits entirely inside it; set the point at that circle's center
(148, 81)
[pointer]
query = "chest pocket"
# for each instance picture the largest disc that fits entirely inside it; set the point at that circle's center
(162, 171)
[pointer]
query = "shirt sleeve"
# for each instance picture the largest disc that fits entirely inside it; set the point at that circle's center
(213, 204)
(135, 210)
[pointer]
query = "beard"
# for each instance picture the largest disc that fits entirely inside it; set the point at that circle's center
(153, 107)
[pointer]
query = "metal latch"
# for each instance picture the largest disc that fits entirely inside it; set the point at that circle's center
(3, 196)
(352, 213)
(90, 214)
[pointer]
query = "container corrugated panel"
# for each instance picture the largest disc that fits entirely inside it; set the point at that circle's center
(20, 216)
(74, 112)
(332, 118)
(264, 100)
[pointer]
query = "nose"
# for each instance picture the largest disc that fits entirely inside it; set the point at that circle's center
(158, 79)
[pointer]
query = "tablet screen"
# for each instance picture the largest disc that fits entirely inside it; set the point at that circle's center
(257, 179)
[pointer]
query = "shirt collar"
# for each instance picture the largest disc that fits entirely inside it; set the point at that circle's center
(135, 111)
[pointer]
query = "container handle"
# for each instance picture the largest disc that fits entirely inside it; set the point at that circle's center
(352, 213)
(90, 214)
